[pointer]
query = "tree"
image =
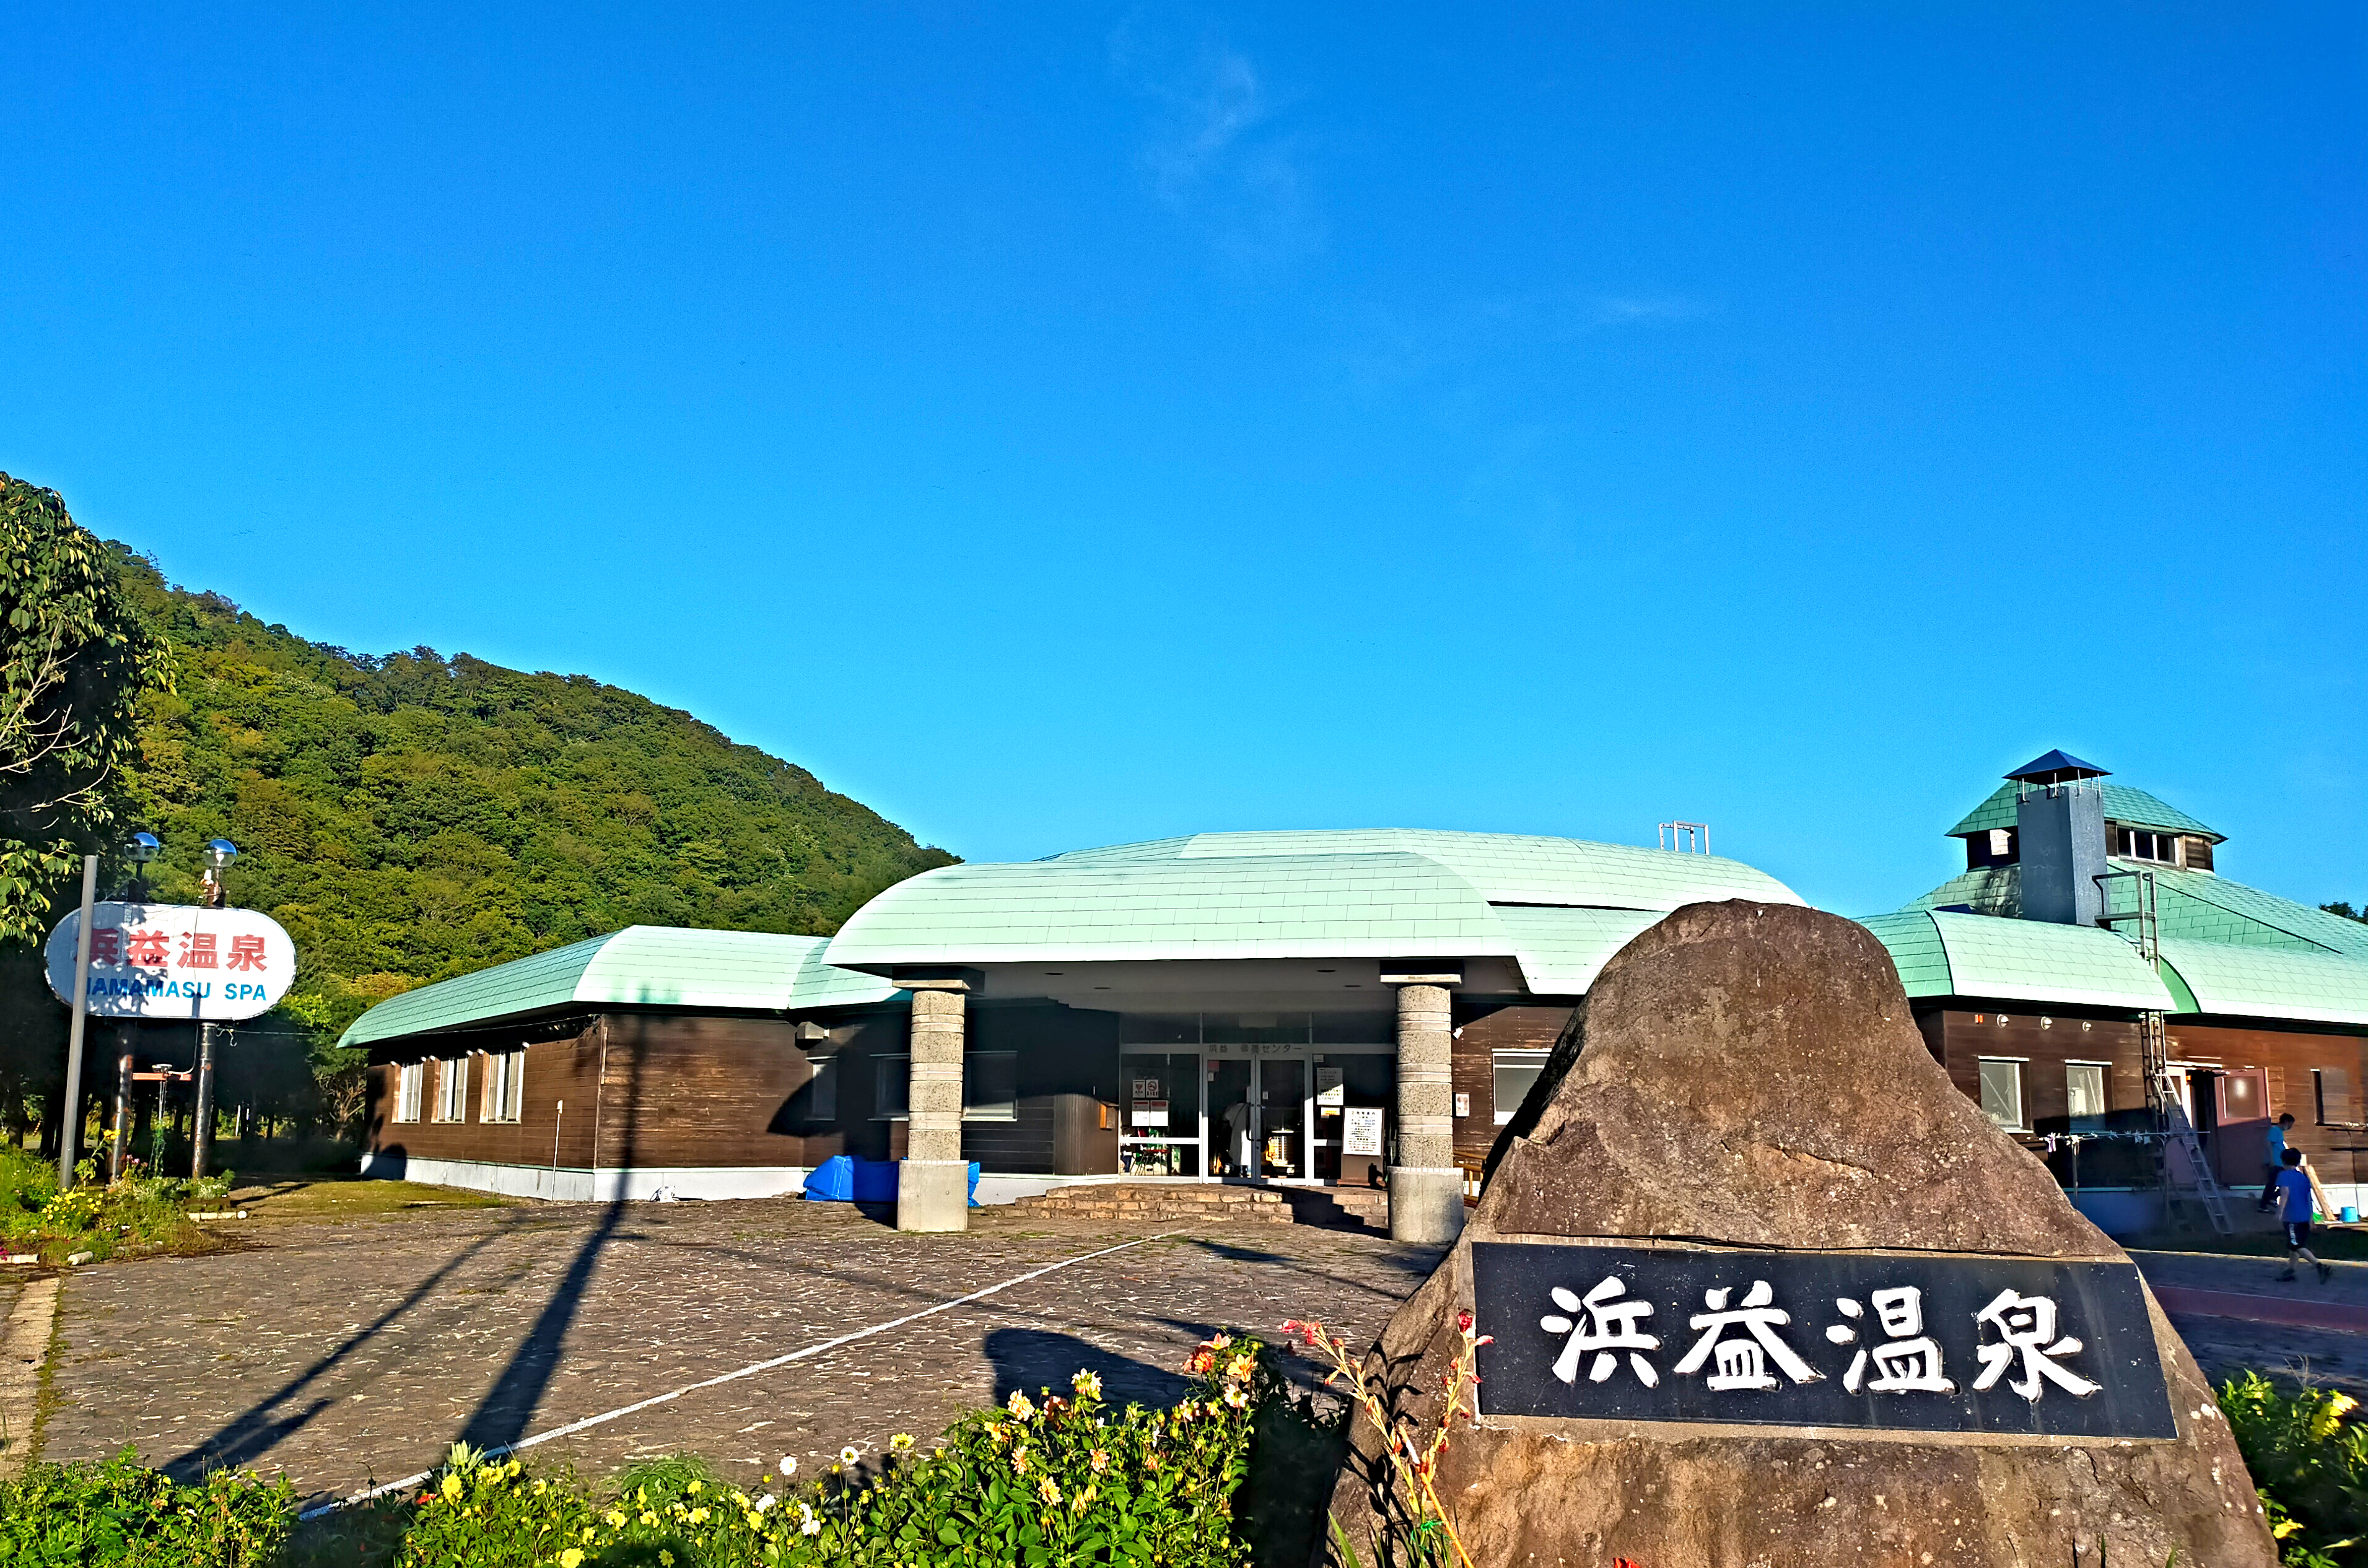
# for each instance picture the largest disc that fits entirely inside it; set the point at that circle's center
(74, 656)
(2346, 911)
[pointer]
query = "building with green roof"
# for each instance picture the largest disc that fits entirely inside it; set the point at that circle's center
(2086, 905)
(1320, 1006)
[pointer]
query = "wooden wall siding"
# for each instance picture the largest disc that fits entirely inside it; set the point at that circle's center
(1484, 1031)
(2287, 1057)
(565, 1070)
(688, 1090)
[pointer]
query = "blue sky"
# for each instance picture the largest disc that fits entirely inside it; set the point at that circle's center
(1065, 424)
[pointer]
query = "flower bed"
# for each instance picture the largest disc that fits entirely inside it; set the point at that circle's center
(141, 1213)
(1060, 1479)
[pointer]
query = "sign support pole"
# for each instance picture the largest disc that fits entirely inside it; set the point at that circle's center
(201, 1133)
(123, 1107)
(70, 1118)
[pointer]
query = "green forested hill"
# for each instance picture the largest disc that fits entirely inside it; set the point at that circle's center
(414, 816)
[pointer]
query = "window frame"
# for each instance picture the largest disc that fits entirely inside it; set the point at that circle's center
(1498, 1060)
(1007, 1110)
(501, 1099)
(2104, 1071)
(880, 1083)
(822, 1086)
(451, 1091)
(2021, 1096)
(410, 1091)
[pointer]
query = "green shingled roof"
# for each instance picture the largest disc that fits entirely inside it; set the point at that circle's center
(2123, 803)
(649, 966)
(2200, 905)
(2016, 961)
(1562, 951)
(1384, 894)
(2268, 982)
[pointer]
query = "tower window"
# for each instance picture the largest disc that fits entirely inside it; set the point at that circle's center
(2144, 844)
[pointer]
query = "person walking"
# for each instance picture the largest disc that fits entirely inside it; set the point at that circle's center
(2275, 1158)
(2297, 1209)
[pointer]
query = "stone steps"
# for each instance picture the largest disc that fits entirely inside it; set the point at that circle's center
(1161, 1202)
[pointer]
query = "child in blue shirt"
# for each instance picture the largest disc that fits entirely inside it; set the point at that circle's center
(2295, 1208)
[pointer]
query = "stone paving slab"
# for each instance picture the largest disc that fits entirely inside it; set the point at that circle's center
(353, 1353)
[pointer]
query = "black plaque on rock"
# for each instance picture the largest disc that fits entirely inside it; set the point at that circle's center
(1887, 1342)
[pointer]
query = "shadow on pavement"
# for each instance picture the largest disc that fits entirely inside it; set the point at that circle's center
(1028, 1360)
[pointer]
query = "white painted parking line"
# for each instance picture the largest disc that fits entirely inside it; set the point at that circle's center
(747, 1371)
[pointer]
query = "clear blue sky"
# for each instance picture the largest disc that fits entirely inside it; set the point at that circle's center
(1063, 424)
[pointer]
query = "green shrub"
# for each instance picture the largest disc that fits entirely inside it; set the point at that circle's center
(1066, 1480)
(138, 1213)
(121, 1513)
(1060, 1480)
(2310, 1460)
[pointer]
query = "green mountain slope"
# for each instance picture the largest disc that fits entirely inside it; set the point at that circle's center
(413, 817)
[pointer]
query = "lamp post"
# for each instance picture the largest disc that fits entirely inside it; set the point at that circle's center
(141, 849)
(220, 853)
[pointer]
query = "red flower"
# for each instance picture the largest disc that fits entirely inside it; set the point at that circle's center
(1464, 1321)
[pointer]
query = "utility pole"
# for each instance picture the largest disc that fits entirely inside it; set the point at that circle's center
(70, 1120)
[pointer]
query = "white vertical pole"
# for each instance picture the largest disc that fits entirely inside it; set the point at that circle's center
(70, 1122)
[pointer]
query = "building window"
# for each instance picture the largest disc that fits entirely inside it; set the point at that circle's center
(453, 1089)
(822, 1089)
(1517, 1070)
(2330, 1093)
(991, 1085)
(1998, 846)
(2144, 844)
(2196, 853)
(2084, 1093)
(410, 1090)
(504, 1091)
(2003, 1092)
(892, 1087)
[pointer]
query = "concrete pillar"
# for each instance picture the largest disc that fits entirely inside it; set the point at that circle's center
(1426, 1187)
(932, 1181)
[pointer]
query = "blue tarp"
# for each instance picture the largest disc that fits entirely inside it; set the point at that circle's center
(843, 1178)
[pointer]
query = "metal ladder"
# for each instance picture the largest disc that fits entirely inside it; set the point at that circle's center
(2154, 1054)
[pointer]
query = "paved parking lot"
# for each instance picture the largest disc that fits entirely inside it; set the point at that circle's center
(350, 1353)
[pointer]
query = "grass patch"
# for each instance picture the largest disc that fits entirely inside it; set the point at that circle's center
(332, 1197)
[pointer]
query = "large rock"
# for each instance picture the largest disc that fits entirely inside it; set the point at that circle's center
(1749, 1075)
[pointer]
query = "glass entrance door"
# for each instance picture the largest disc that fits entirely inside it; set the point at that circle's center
(1283, 1117)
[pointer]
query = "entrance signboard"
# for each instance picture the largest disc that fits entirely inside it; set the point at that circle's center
(175, 962)
(1886, 1341)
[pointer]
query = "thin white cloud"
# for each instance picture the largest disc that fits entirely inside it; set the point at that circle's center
(1215, 153)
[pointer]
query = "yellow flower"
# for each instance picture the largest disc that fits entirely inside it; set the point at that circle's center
(902, 1443)
(616, 1517)
(1046, 1490)
(570, 1558)
(452, 1483)
(699, 1516)
(1087, 1384)
(1020, 1405)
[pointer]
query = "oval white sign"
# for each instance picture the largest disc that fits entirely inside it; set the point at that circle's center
(176, 960)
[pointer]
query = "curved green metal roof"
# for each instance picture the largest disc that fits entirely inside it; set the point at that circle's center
(2123, 803)
(1380, 893)
(2266, 982)
(640, 966)
(2017, 960)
